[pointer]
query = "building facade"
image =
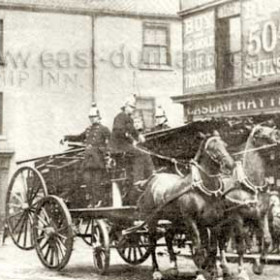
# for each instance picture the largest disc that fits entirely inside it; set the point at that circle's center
(231, 60)
(56, 57)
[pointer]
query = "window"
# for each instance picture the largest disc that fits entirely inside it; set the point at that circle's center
(228, 41)
(145, 110)
(156, 44)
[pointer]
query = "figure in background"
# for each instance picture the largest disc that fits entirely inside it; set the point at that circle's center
(139, 124)
(160, 119)
(125, 138)
(96, 138)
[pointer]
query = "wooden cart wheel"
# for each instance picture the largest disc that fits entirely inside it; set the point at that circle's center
(101, 246)
(53, 233)
(26, 188)
(134, 248)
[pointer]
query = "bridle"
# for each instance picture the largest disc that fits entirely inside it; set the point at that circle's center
(197, 182)
(216, 158)
(243, 180)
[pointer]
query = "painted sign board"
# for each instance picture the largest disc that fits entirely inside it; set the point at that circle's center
(261, 36)
(199, 52)
(238, 105)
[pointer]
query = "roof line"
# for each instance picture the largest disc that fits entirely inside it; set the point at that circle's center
(85, 11)
(199, 8)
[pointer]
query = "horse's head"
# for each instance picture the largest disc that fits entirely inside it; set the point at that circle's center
(262, 135)
(215, 148)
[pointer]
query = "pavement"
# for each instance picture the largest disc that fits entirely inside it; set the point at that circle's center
(16, 264)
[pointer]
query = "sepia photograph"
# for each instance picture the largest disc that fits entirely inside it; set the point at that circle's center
(139, 139)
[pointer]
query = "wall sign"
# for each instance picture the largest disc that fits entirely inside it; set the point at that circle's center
(233, 106)
(261, 33)
(199, 52)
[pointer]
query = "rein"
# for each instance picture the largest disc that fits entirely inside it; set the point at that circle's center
(172, 160)
(255, 149)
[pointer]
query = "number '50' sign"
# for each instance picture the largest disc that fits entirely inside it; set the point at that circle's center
(265, 40)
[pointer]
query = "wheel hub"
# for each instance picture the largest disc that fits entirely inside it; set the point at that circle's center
(25, 206)
(50, 231)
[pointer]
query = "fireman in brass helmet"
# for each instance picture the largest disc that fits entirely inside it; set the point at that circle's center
(125, 138)
(96, 138)
(160, 119)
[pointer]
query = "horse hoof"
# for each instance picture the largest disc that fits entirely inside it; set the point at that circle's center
(243, 275)
(200, 277)
(157, 275)
(258, 267)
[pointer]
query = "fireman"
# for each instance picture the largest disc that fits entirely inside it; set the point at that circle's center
(96, 138)
(125, 138)
(161, 119)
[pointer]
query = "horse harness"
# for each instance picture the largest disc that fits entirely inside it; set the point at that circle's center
(242, 181)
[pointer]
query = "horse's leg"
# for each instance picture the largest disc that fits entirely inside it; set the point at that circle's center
(224, 234)
(212, 267)
(266, 240)
(240, 246)
(205, 244)
(199, 256)
(153, 243)
(169, 236)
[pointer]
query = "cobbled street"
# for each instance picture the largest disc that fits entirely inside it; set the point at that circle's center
(16, 264)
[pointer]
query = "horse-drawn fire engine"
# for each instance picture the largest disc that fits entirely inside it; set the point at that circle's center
(47, 196)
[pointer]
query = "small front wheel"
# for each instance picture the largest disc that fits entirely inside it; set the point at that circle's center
(100, 246)
(134, 248)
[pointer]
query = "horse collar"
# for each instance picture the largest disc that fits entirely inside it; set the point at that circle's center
(197, 182)
(243, 179)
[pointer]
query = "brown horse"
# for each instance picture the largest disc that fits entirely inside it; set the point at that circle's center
(246, 199)
(190, 203)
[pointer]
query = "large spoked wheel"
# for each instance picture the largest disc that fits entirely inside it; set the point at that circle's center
(25, 190)
(53, 234)
(100, 246)
(134, 248)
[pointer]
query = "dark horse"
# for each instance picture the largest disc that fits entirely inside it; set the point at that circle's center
(190, 203)
(246, 199)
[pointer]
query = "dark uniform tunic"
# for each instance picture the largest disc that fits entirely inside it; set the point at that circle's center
(96, 138)
(123, 135)
(123, 132)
